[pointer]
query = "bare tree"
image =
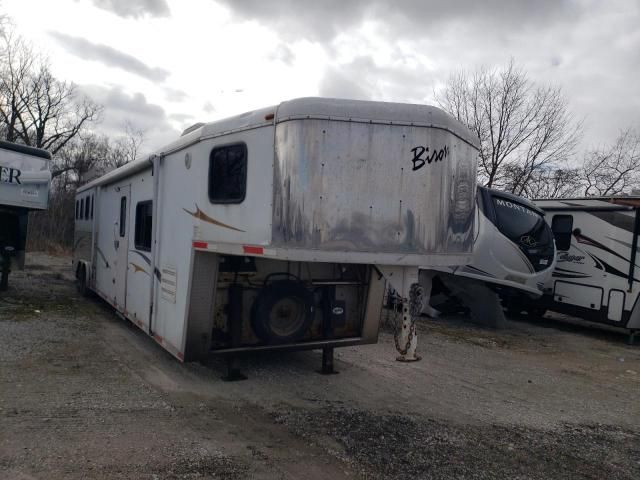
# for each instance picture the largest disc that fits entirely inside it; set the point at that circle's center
(125, 149)
(90, 155)
(36, 108)
(84, 154)
(553, 183)
(613, 170)
(523, 128)
(17, 62)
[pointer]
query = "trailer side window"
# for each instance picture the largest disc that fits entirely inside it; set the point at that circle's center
(228, 174)
(86, 208)
(77, 209)
(562, 226)
(91, 206)
(81, 208)
(123, 216)
(144, 222)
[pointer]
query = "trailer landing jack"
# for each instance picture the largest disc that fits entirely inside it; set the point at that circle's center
(327, 362)
(233, 373)
(5, 267)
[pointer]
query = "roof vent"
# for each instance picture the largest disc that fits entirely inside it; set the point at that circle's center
(193, 127)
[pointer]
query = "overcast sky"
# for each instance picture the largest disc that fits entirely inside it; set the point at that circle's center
(164, 65)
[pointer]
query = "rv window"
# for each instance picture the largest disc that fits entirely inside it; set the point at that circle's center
(144, 221)
(81, 208)
(86, 208)
(515, 219)
(228, 174)
(77, 209)
(92, 207)
(123, 216)
(562, 226)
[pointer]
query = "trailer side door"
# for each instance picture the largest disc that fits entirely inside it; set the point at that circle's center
(121, 244)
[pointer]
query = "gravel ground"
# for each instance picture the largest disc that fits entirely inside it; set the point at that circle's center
(84, 394)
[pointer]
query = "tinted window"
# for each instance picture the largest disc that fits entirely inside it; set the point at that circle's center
(144, 222)
(81, 208)
(562, 226)
(77, 209)
(123, 216)
(527, 229)
(228, 174)
(92, 207)
(514, 219)
(87, 208)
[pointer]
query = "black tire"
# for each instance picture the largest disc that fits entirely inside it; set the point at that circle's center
(282, 312)
(83, 288)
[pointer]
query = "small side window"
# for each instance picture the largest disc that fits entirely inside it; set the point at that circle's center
(144, 223)
(91, 206)
(123, 216)
(87, 208)
(228, 174)
(562, 226)
(77, 209)
(81, 208)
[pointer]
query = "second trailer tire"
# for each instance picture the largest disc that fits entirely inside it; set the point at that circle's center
(282, 312)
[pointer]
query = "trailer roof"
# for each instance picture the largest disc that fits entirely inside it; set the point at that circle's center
(613, 203)
(610, 199)
(305, 108)
(16, 147)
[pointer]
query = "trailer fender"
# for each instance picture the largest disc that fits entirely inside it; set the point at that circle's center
(83, 277)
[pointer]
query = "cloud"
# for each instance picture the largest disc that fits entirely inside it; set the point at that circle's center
(340, 83)
(135, 8)
(208, 107)
(121, 106)
(322, 21)
(175, 95)
(364, 79)
(283, 54)
(109, 56)
(181, 117)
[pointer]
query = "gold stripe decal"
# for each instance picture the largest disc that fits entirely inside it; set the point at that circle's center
(200, 215)
(138, 268)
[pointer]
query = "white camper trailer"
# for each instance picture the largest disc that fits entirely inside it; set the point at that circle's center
(596, 276)
(25, 177)
(277, 228)
(513, 245)
(513, 258)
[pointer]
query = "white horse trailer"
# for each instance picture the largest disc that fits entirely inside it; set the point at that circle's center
(596, 276)
(277, 228)
(25, 177)
(513, 258)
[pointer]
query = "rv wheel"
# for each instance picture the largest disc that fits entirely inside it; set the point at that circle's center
(282, 312)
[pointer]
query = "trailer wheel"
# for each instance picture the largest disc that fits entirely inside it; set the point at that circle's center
(81, 282)
(282, 312)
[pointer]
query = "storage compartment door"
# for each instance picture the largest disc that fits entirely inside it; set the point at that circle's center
(616, 305)
(577, 294)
